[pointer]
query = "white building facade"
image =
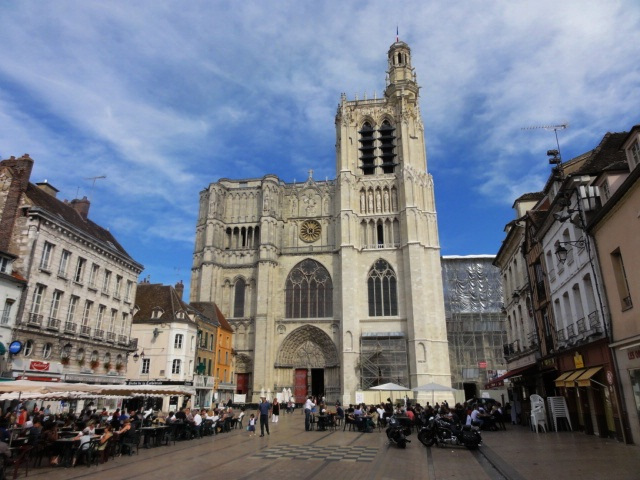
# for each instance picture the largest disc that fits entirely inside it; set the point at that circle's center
(334, 286)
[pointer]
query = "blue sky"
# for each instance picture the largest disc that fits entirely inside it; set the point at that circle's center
(165, 97)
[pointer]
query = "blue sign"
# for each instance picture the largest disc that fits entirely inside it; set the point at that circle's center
(15, 347)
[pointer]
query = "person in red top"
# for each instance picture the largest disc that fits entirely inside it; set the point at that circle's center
(410, 414)
(22, 416)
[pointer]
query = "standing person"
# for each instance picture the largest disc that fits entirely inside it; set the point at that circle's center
(275, 412)
(252, 425)
(264, 408)
(308, 406)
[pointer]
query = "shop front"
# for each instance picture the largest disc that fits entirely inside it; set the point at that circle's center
(586, 379)
(628, 358)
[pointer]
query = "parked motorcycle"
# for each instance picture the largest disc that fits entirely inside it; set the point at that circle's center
(397, 433)
(441, 432)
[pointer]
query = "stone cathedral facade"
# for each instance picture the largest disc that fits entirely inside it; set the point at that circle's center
(333, 286)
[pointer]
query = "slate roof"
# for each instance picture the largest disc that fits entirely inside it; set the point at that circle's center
(67, 213)
(607, 153)
(152, 295)
(211, 310)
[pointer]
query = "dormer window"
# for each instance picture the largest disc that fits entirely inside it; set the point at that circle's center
(5, 265)
(157, 312)
(180, 315)
(634, 154)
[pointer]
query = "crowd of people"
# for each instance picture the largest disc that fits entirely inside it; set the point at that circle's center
(367, 417)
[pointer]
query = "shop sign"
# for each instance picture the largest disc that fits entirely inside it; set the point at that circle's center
(482, 364)
(39, 366)
(578, 361)
(549, 363)
(633, 354)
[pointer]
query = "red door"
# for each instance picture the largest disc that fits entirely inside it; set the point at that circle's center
(242, 382)
(300, 388)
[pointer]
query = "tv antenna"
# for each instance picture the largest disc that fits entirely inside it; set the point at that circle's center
(93, 184)
(555, 157)
(555, 129)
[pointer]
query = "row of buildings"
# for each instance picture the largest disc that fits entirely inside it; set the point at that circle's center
(570, 266)
(72, 309)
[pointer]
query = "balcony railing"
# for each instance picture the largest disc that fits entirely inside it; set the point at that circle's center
(561, 336)
(111, 337)
(582, 328)
(70, 327)
(34, 320)
(85, 330)
(571, 331)
(98, 333)
(53, 323)
(594, 322)
(122, 339)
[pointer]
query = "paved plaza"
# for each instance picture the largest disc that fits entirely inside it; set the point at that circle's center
(291, 453)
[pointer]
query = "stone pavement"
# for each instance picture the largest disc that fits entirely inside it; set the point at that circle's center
(291, 453)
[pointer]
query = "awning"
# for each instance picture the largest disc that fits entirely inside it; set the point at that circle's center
(585, 379)
(3, 349)
(499, 381)
(569, 381)
(560, 380)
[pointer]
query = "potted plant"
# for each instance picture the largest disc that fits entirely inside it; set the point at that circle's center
(64, 360)
(94, 364)
(119, 367)
(107, 366)
(81, 362)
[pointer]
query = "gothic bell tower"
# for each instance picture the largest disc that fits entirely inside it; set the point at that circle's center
(387, 232)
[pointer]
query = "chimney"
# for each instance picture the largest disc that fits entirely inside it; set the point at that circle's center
(19, 175)
(179, 289)
(81, 206)
(48, 188)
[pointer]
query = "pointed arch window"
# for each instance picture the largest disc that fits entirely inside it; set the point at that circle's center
(238, 298)
(382, 287)
(367, 149)
(309, 291)
(387, 145)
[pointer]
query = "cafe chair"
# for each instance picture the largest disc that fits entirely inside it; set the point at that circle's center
(130, 442)
(22, 460)
(313, 422)
(89, 454)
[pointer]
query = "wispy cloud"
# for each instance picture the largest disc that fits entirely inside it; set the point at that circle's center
(165, 97)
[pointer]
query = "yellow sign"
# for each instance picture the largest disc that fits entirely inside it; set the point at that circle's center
(578, 361)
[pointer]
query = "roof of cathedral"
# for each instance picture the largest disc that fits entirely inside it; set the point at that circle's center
(68, 214)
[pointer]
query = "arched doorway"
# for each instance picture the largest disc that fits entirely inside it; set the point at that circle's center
(308, 363)
(243, 374)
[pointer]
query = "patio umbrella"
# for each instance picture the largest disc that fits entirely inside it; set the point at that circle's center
(433, 387)
(389, 387)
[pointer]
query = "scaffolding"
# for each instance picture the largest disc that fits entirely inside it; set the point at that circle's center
(476, 326)
(383, 359)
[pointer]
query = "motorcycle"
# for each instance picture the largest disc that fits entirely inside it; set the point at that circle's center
(441, 432)
(397, 433)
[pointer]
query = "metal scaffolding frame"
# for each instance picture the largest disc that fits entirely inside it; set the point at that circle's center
(383, 359)
(476, 326)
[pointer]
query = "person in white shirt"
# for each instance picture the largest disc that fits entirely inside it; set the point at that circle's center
(308, 405)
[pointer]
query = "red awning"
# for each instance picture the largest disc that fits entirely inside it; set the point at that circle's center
(499, 381)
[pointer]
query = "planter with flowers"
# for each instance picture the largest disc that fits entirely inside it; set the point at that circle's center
(107, 366)
(64, 360)
(94, 364)
(119, 367)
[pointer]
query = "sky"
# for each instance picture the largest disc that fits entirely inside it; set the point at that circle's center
(164, 97)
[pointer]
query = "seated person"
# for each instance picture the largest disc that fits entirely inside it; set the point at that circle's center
(105, 437)
(85, 439)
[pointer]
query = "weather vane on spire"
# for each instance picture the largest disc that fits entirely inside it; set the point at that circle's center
(397, 34)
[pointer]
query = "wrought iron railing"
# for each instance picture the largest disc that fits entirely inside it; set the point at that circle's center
(70, 327)
(97, 333)
(85, 330)
(34, 320)
(53, 323)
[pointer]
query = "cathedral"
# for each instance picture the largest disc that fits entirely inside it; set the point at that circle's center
(334, 286)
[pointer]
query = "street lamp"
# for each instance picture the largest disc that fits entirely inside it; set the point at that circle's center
(136, 356)
(561, 252)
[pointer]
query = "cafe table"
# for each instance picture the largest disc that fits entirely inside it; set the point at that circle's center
(154, 433)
